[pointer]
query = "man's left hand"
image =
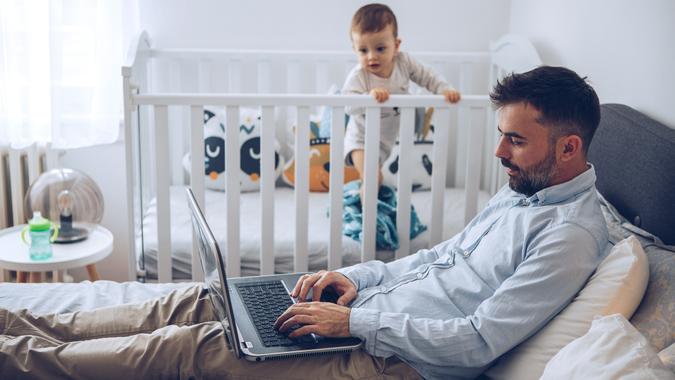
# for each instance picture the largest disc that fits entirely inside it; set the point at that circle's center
(321, 318)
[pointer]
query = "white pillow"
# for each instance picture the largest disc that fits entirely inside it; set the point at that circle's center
(611, 349)
(617, 286)
(249, 145)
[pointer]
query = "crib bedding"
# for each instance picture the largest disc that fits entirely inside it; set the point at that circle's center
(64, 297)
(284, 229)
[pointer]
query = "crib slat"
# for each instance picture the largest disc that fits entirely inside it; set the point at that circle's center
(204, 76)
(321, 84)
(163, 195)
(293, 77)
(337, 132)
(473, 163)
(463, 119)
(301, 189)
(264, 77)
(267, 190)
(440, 154)
(129, 144)
(232, 191)
(404, 180)
(466, 77)
(371, 167)
(178, 119)
(234, 75)
(197, 177)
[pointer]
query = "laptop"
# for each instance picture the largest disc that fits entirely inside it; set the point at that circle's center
(248, 306)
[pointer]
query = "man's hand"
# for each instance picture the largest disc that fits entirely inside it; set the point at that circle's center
(452, 96)
(322, 318)
(380, 94)
(318, 281)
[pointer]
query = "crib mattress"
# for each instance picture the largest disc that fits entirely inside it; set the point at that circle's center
(284, 229)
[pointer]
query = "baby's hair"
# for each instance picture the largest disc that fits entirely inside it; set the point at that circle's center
(373, 18)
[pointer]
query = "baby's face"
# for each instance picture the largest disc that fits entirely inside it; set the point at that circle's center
(376, 51)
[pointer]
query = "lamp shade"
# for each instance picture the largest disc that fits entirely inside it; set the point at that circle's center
(68, 198)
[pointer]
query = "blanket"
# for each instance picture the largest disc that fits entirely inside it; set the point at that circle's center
(387, 235)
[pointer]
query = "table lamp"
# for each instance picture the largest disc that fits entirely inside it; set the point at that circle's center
(68, 198)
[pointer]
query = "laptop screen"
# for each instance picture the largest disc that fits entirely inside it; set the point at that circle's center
(214, 271)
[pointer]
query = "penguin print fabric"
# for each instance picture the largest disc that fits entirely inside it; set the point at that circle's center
(249, 149)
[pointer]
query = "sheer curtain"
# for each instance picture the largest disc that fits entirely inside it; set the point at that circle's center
(60, 78)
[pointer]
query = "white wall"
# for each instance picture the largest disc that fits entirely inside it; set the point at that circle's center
(625, 47)
(310, 24)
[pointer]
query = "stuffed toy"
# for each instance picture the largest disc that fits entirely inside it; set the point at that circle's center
(319, 164)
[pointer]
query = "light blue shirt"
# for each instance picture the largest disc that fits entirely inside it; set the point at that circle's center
(450, 311)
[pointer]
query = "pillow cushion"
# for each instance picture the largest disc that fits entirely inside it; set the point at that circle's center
(667, 356)
(611, 349)
(319, 164)
(616, 286)
(422, 153)
(249, 146)
(654, 317)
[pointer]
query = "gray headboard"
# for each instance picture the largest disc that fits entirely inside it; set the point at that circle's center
(634, 158)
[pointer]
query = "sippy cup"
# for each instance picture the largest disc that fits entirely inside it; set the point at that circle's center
(41, 236)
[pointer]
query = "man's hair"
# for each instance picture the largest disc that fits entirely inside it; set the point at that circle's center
(373, 18)
(567, 103)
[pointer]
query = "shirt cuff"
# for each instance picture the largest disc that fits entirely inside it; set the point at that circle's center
(363, 323)
(352, 274)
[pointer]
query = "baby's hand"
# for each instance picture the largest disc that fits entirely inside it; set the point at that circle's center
(452, 96)
(380, 94)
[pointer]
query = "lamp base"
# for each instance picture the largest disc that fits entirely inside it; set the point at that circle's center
(71, 235)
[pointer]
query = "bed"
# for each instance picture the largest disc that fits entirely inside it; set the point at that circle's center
(628, 174)
(184, 103)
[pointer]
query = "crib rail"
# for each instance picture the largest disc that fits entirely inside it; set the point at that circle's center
(160, 104)
(285, 71)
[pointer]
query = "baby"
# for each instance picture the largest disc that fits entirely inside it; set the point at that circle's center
(382, 70)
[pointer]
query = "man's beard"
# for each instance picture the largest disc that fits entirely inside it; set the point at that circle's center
(530, 180)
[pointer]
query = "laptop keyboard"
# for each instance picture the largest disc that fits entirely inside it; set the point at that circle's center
(265, 302)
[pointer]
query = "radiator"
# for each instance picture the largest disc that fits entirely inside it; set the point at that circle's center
(19, 167)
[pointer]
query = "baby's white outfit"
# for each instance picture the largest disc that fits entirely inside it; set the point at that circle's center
(360, 81)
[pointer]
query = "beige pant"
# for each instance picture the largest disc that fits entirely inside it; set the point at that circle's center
(177, 336)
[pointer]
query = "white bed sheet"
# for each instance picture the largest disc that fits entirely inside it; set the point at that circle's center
(284, 229)
(47, 298)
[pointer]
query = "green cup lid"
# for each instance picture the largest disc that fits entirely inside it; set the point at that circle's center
(38, 223)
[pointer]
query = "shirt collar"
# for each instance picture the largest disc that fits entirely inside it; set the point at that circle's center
(563, 191)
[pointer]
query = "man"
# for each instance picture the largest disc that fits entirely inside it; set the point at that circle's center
(452, 310)
(446, 312)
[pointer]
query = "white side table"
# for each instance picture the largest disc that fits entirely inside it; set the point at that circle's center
(14, 253)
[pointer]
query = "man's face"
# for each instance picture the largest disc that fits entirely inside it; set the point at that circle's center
(525, 149)
(376, 51)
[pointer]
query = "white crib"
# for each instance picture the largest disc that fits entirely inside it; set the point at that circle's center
(166, 90)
